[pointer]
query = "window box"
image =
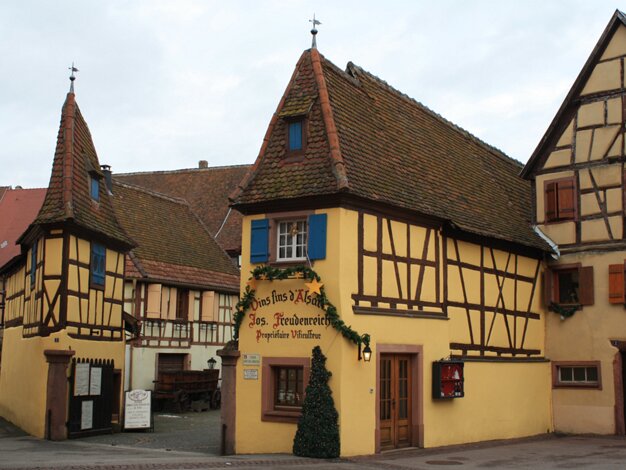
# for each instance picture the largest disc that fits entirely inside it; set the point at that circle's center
(582, 374)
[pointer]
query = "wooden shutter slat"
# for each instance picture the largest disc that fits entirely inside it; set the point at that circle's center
(547, 287)
(616, 283)
(316, 242)
(566, 199)
(585, 285)
(550, 202)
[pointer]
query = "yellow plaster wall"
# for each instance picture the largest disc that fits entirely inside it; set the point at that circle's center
(617, 45)
(513, 397)
(605, 76)
(559, 158)
(588, 410)
(23, 380)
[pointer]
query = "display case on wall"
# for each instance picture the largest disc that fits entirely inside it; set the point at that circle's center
(448, 379)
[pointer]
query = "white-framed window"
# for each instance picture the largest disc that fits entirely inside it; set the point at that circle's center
(583, 374)
(292, 240)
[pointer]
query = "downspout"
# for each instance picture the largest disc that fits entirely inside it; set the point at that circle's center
(556, 254)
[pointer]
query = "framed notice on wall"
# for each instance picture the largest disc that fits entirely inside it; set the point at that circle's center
(138, 410)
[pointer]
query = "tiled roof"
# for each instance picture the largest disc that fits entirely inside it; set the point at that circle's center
(384, 146)
(18, 208)
(173, 244)
(206, 190)
(68, 197)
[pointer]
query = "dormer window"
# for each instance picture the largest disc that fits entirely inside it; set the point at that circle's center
(94, 186)
(295, 141)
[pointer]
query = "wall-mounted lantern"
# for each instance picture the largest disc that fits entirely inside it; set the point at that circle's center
(366, 352)
(211, 363)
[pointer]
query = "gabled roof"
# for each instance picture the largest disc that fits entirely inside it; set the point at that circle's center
(18, 208)
(569, 105)
(68, 198)
(367, 139)
(173, 244)
(206, 190)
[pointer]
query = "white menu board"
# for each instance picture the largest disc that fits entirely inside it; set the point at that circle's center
(86, 415)
(95, 383)
(81, 379)
(138, 410)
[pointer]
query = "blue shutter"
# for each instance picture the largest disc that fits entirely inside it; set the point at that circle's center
(259, 241)
(95, 189)
(98, 263)
(317, 236)
(295, 135)
(33, 264)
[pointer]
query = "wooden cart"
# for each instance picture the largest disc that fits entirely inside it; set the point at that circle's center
(179, 389)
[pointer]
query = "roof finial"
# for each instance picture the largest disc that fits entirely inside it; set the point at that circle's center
(72, 77)
(314, 31)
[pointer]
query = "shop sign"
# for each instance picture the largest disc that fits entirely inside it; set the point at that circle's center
(138, 410)
(292, 314)
(251, 359)
(251, 374)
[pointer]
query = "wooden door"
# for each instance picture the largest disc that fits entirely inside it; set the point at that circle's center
(395, 401)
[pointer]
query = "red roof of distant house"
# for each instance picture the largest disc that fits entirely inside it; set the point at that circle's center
(18, 208)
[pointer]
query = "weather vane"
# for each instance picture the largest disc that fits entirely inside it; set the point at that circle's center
(72, 77)
(314, 30)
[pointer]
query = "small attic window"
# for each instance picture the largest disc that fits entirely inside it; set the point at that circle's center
(295, 140)
(94, 186)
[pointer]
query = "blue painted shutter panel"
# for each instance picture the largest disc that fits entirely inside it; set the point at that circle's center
(295, 135)
(95, 189)
(259, 241)
(98, 253)
(33, 264)
(317, 236)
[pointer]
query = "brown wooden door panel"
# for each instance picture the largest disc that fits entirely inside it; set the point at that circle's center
(395, 401)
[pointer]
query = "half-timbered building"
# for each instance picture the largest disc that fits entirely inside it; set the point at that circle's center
(64, 300)
(577, 174)
(180, 286)
(422, 240)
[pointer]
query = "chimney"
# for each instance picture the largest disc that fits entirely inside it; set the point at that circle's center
(203, 164)
(106, 170)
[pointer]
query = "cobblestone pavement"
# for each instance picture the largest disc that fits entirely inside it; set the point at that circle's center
(187, 443)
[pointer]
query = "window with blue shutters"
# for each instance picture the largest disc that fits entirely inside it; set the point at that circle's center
(295, 240)
(33, 264)
(98, 263)
(95, 188)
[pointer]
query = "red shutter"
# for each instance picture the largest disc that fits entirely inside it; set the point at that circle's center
(548, 298)
(585, 285)
(616, 283)
(566, 197)
(550, 202)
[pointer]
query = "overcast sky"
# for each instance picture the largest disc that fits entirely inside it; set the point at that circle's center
(163, 84)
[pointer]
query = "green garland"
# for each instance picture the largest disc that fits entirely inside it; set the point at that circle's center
(270, 273)
(564, 311)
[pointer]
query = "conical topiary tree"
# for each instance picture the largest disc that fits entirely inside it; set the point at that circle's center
(318, 432)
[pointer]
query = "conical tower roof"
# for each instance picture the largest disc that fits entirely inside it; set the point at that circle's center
(68, 198)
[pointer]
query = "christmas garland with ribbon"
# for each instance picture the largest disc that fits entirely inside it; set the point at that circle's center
(565, 311)
(269, 273)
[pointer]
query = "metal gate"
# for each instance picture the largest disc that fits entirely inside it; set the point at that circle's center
(91, 397)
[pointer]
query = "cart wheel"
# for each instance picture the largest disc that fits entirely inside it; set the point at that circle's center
(216, 400)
